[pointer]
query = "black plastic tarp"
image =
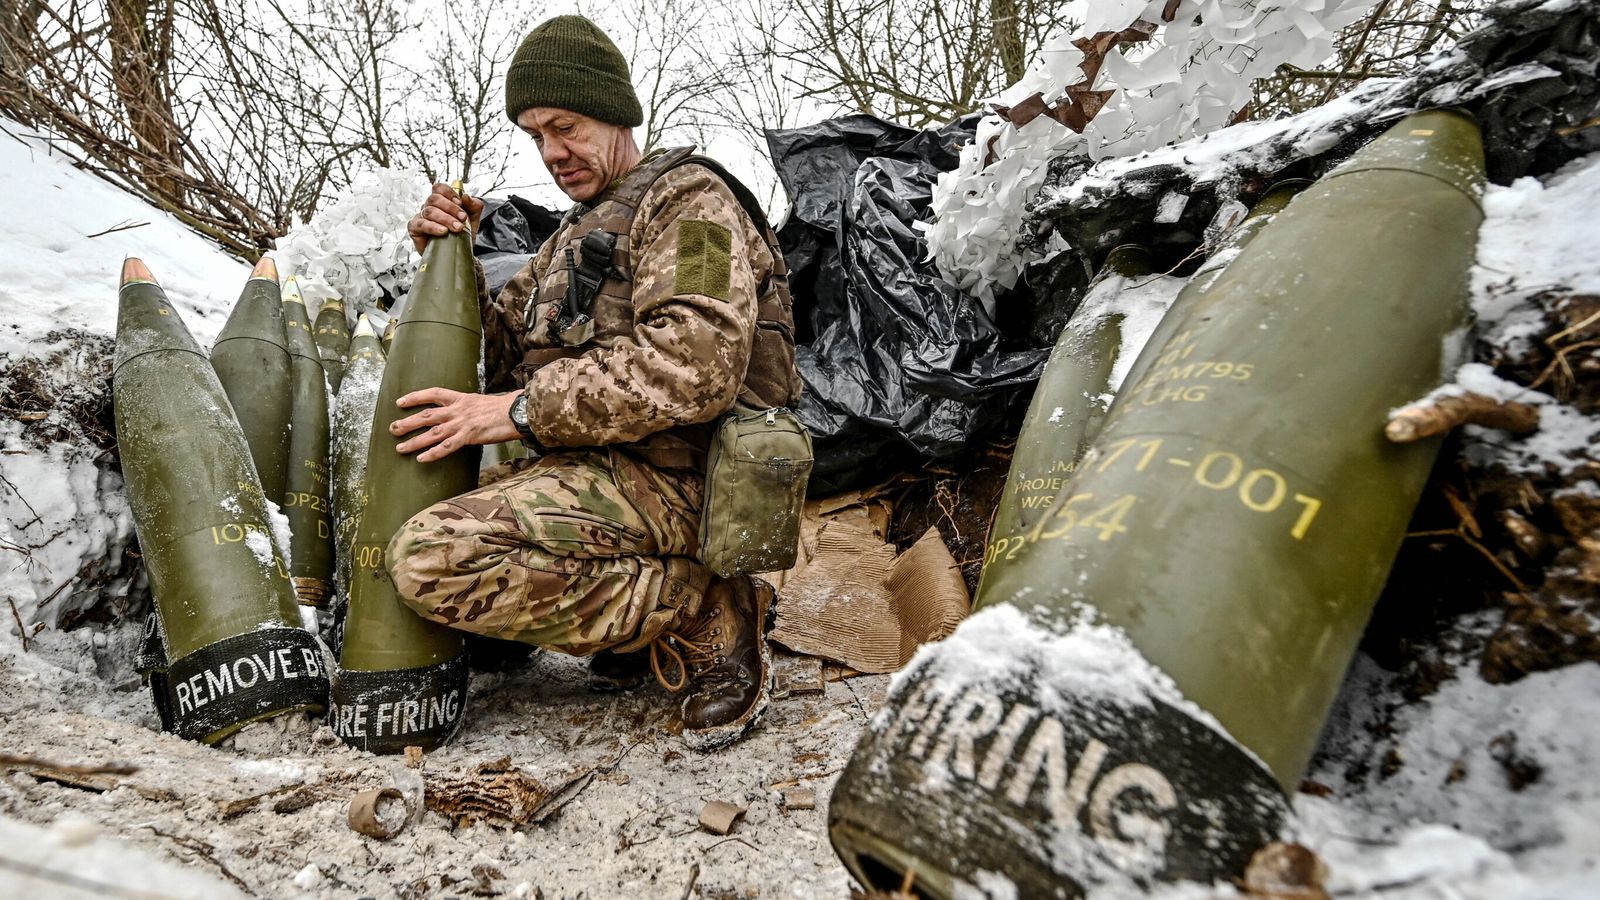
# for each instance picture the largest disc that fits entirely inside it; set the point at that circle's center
(893, 356)
(509, 233)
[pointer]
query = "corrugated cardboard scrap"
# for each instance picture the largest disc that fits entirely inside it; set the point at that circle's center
(851, 599)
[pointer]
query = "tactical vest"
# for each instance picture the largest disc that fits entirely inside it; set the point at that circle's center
(770, 380)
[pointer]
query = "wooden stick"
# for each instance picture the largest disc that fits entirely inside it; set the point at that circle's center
(1413, 423)
(22, 633)
(34, 762)
(124, 226)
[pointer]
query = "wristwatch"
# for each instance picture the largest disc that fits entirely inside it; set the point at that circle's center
(519, 418)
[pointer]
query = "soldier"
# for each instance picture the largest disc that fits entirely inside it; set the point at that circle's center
(660, 300)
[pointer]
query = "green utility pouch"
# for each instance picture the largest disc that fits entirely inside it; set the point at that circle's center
(756, 473)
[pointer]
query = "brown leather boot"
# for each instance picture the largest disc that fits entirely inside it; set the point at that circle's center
(610, 672)
(720, 659)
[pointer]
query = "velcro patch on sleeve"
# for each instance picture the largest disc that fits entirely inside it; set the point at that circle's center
(704, 261)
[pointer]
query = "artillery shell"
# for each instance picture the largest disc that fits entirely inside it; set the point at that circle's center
(352, 434)
(1230, 528)
(332, 337)
(402, 680)
(305, 499)
(1070, 400)
(225, 608)
(251, 359)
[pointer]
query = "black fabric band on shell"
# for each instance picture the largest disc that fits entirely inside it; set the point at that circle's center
(152, 664)
(241, 678)
(1060, 791)
(388, 711)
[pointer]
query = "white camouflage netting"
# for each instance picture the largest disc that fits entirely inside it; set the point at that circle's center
(1190, 78)
(356, 247)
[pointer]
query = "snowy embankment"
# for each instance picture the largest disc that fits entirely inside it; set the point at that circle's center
(64, 525)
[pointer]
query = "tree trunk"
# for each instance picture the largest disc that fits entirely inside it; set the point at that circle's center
(1007, 30)
(140, 49)
(19, 21)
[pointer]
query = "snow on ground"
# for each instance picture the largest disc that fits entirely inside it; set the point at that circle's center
(1489, 796)
(96, 859)
(60, 275)
(1535, 239)
(1538, 235)
(64, 233)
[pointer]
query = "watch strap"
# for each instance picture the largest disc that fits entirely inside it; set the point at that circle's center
(519, 420)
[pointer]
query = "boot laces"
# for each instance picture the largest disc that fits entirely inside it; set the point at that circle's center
(696, 657)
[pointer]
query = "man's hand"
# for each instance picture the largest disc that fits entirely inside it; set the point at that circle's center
(443, 213)
(455, 421)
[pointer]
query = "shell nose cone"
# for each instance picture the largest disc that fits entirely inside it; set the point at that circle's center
(257, 314)
(134, 271)
(146, 320)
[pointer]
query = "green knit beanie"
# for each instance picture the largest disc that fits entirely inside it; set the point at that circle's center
(569, 63)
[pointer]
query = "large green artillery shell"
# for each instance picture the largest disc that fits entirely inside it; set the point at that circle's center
(1070, 403)
(223, 600)
(352, 433)
(332, 337)
(402, 679)
(1070, 400)
(305, 499)
(1233, 522)
(251, 359)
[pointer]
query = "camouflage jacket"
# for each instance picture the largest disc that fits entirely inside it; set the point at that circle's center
(696, 315)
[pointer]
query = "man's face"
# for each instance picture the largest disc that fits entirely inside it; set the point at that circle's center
(584, 155)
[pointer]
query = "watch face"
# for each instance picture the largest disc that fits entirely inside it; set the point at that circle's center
(519, 411)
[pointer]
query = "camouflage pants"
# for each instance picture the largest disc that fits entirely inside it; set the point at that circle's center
(581, 552)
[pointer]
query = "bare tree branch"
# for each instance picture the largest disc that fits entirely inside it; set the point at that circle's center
(241, 118)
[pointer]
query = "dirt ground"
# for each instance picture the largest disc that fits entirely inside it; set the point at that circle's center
(629, 830)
